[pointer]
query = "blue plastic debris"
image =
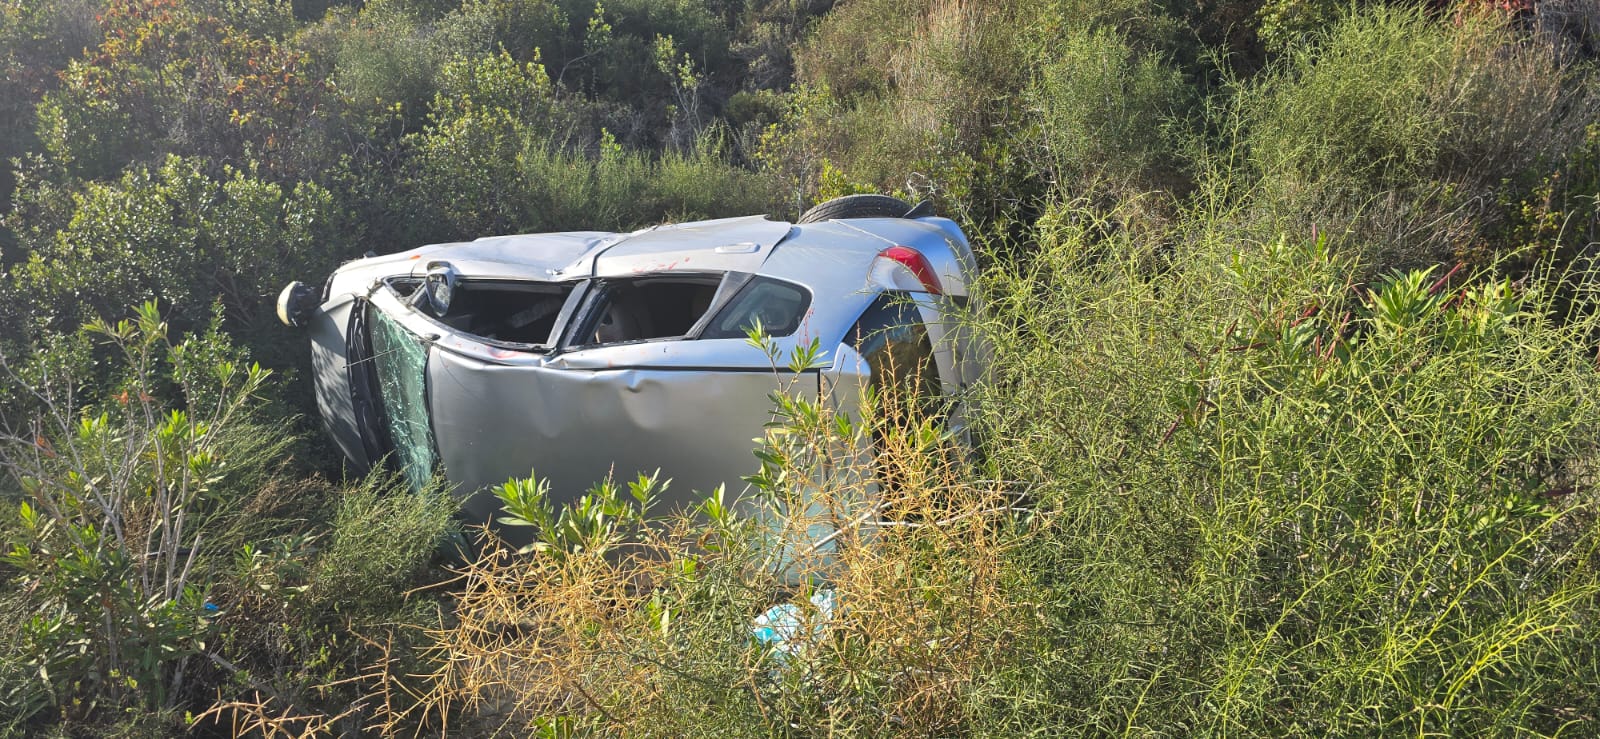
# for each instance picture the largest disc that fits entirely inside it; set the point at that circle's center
(781, 627)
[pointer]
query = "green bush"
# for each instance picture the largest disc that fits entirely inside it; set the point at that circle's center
(847, 53)
(1103, 113)
(186, 238)
(621, 44)
(36, 39)
(163, 552)
(173, 79)
(482, 168)
(522, 28)
(985, 108)
(378, 543)
(1280, 506)
(910, 115)
(118, 506)
(385, 62)
(1285, 23)
(1398, 127)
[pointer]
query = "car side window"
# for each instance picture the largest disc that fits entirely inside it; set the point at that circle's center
(645, 308)
(777, 305)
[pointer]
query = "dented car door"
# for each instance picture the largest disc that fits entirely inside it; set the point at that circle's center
(573, 426)
(631, 389)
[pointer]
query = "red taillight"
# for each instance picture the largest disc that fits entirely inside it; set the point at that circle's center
(918, 264)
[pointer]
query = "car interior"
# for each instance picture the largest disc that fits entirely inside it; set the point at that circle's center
(650, 308)
(506, 311)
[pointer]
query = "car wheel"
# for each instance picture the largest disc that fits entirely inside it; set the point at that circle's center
(859, 206)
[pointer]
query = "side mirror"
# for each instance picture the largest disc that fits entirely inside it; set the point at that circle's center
(296, 304)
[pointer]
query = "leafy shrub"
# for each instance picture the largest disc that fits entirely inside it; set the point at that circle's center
(901, 116)
(621, 41)
(987, 107)
(1399, 125)
(168, 78)
(522, 28)
(847, 53)
(1550, 217)
(1281, 505)
(485, 169)
(1103, 114)
(160, 554)
(378, 543)
(36, 39)
(1285, 23)
(119, 504)
(385, 62)
(185, 238)
(497, 82)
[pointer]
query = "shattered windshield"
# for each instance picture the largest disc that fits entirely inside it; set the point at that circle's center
(400, 363)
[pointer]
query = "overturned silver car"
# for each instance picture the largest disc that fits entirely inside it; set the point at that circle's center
(583, 354)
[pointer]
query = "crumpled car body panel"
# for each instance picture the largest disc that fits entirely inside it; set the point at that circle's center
(573, 427)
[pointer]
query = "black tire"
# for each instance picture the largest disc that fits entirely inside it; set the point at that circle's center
(856, 206)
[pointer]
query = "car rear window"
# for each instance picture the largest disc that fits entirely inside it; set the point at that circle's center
(892, 339)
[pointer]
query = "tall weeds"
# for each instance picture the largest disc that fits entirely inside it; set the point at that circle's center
(1404, 134)
(1288, 503)
(899, 603)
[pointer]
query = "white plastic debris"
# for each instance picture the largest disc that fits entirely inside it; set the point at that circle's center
(783, 627)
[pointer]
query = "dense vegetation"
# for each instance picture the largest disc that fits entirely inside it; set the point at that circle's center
(1291, 304)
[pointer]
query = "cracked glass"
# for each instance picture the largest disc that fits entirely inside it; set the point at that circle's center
(400, 362)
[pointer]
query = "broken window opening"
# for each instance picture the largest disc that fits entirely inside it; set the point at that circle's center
(891, 337)
(893, 340)
(523, 313)
(777, 305)
(400, 367)
(647, 308)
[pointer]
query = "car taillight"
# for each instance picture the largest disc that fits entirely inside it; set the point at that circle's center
(913, 261)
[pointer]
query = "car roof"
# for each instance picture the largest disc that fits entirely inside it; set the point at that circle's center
(817, 254)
